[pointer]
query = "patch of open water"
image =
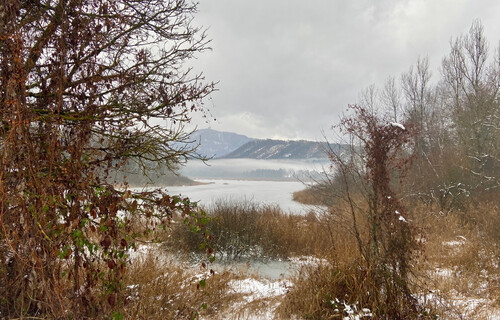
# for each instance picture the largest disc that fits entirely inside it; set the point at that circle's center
(271, 270)
(262, 192)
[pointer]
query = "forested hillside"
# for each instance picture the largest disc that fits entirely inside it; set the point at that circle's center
(280, 149)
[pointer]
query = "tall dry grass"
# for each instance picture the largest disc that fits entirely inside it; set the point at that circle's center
(460, 261)
(246, 229)
(159, 289)
(343, 285)
(457, 274)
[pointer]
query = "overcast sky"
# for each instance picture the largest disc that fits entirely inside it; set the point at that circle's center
(288, 68)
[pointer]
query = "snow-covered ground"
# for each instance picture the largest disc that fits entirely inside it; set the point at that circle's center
(256, 290)
(475, 305)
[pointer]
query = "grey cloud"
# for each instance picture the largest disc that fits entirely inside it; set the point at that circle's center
(288, 68)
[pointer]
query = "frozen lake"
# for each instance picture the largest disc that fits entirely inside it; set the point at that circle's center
(262, 192)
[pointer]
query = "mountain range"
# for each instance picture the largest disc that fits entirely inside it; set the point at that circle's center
(227, 145)
(215, 144)
(280, 149)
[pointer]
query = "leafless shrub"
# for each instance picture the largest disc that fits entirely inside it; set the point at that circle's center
(369, 206)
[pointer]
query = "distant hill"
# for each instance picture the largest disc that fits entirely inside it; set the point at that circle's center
(158, 177)
(216, 143)
(280, 149)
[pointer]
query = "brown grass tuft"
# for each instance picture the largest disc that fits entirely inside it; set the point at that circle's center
(169, 290)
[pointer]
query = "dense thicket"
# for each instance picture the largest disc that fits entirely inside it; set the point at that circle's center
(85, 87)
(458, 116)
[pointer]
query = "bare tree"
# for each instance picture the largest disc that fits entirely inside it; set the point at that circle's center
(391, 98)
(85, 87)
(472, 95)
(369, 99)
(416, 87)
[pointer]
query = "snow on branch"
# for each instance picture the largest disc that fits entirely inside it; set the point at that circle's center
(399, 125)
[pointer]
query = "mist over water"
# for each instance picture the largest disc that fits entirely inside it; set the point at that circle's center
(290, 170)
(265, 182)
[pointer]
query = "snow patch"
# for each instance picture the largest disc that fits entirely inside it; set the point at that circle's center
(307, 261)
(352, 311)
(455, 243)
(254, 289)
(399, 125)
